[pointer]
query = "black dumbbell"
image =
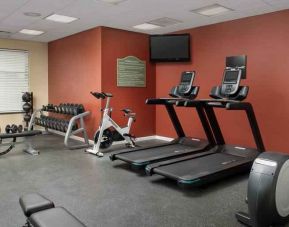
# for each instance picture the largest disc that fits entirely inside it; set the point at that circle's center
(60, 107)
(54, 124)
(57, 126)
(71, 108)
(20, 128)
(80, 109)
(61, 125)
(63, 107)
(50, 122)
(66, 109)
(13, 128)
(43, 121)
(50, 107)
(27, 117)
(44, 108)
(27, 107)
(26, 97)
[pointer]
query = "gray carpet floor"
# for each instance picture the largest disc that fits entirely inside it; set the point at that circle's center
(104, 193)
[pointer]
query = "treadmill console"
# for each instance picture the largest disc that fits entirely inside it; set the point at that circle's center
(230, 88)
(185, 86)
(185, 89)
(231, 81)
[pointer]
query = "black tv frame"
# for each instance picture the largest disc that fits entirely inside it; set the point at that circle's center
(172, 59)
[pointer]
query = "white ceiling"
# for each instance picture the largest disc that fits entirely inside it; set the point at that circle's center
(93, 13)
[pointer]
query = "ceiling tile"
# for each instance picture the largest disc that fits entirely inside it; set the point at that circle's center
(93, 13)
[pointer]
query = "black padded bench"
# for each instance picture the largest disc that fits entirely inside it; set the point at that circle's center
(41, 212)
(27, 141)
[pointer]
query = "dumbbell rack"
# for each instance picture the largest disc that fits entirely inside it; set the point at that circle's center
(79, 118)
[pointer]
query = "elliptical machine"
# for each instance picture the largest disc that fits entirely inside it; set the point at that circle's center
(109, 131)
(268, 189)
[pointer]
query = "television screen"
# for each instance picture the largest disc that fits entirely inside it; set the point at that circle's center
(170, 48)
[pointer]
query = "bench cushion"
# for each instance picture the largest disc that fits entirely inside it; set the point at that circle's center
(56, 217)
(34, 202)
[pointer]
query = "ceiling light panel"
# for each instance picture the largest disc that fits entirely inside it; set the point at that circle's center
(31, 32)
(61, 18)
(146, 26)
(212, 10)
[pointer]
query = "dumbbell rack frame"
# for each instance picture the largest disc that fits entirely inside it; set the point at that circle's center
(70, 132)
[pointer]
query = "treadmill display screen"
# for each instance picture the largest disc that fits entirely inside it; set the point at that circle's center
(186, 77)
(231, 76)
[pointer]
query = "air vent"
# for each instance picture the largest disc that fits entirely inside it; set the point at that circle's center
(4, 34)
(113, 2)
(164, 21)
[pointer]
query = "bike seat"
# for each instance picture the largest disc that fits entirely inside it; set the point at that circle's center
(98, 95)
(101, 95)
(126, 110)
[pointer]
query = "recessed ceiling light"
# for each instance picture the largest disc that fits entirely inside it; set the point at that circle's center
(211, 10)
(146, 26)
(31, 32)
(61, 18)
(114, 2)
(32, 14)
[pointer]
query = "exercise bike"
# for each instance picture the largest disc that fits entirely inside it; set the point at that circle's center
(109, 131)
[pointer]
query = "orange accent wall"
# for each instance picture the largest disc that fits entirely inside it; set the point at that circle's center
(86, 62)
(264, 39)
(74, 70)
(119, 44)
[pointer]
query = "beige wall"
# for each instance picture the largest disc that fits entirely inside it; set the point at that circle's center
(38, 75)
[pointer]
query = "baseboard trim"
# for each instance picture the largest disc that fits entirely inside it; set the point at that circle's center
(138, 139)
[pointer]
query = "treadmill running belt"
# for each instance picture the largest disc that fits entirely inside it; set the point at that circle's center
(193, 169)
(158, 152)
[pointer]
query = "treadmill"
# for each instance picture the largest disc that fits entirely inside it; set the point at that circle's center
(140, 157)
(222, 160)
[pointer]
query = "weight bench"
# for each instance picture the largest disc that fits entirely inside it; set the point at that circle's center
(41, 212)
(11, 144)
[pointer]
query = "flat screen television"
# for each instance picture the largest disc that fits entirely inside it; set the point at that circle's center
(170, 48)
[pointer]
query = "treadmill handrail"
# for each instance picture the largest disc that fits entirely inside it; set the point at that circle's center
(171, 112)
(233, 105)
(164, 101)
(209, 104)
(197, 104)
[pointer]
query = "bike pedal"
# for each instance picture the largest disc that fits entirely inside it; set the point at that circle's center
(130, 145)
(129, 135)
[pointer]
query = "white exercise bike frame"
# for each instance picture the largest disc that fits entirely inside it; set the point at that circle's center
(107, 122)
